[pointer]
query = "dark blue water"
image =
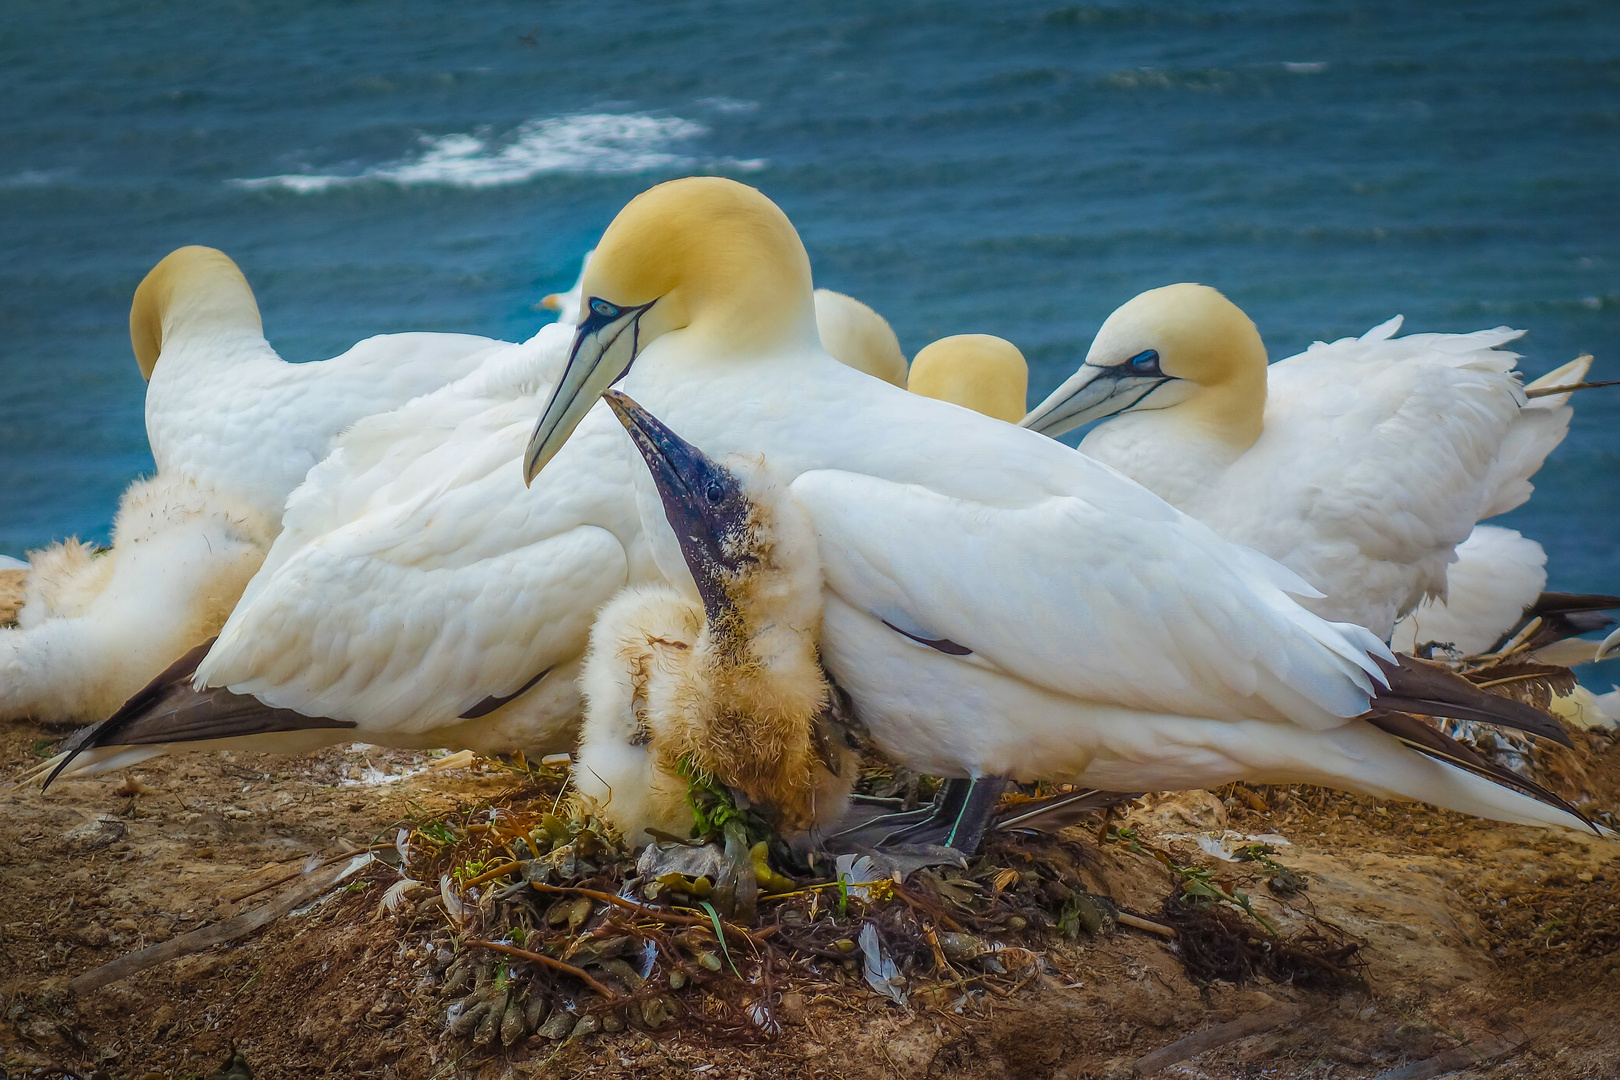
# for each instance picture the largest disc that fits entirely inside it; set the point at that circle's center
(1019, 170)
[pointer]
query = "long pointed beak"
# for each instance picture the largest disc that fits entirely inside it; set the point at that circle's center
(550, 302)
(603, 350)
(669, 457)
(1091, 393)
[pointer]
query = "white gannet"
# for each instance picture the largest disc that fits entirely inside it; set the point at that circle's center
(418, 595)
(233, 429)
(976, 371)
(566, 304)
(995, 604)
(1359, 464)
(727, 684)
(851, 331)
(855, 335)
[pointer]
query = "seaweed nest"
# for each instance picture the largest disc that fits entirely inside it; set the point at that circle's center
(541, 922)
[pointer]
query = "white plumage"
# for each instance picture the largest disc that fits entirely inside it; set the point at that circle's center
(233, 429)
(1360, 464)
(994, 603)
(416, 580)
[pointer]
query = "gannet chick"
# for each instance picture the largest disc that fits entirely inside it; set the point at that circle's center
(418, 596)
(1360, 464)
(995, 604)
(976, 371)
(729, 684)
(233, 429)
(858, 337)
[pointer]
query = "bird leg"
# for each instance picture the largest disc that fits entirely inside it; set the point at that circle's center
(959, 819)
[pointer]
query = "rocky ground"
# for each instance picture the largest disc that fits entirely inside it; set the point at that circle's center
(1485, 948)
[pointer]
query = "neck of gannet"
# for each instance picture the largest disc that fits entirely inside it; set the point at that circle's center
(194, 293)
(1231, 412)
(762, 675)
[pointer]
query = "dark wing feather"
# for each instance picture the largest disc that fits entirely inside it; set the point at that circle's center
(168, 710)
(1442, 747)
(1417, 686)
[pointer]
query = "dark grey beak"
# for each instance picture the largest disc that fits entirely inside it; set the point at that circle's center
(703, 502)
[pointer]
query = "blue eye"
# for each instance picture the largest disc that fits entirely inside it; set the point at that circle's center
(1144, 361)
(603, 308)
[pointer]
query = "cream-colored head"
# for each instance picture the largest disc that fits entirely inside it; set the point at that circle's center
(1184, 346)
(858, 337)
(191, 285)
(702, 254)
(977, 371)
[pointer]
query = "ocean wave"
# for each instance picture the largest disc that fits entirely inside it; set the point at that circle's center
(593, 143)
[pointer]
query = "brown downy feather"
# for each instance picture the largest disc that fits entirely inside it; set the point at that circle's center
(1430, 689)
(169, 710)
(13, 592)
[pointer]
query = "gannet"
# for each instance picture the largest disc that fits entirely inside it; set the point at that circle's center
(850, 331)
(566, 304)
(995, 604)
(859, 337)
(976, 371)
(233, 429)
(1359, 464)
(418, 596)
(727, 683)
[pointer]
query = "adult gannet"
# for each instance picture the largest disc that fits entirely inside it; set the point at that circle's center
(1359, 464)
(566, 304)
(851, 331)
(728, 683)
(855, 335)
(418, 595)
(977, 371)
(995, 604)
(233, 429)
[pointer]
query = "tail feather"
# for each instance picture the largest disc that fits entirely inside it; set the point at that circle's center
(1417, 686)
(169, 710)
(1060, 811)
(1436, 744)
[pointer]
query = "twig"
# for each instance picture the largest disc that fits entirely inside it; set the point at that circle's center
(540, 958)
(643, 910)
(488, 875)
(1125, 918)
(296, 874)
(1219, 1035)
(916, 905)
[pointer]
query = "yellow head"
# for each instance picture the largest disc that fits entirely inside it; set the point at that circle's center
(977, 371)
(858, 337)
(190, 284)
(1183, 346)
(703, 254)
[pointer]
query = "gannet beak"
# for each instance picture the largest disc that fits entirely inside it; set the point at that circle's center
(702, 500)
(1096, 391)
(549, 302)
(605, 344)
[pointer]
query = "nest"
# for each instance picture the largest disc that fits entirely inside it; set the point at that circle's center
(547, 925)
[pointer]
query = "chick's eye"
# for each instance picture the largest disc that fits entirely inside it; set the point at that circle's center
(602, 307)
(715, 494)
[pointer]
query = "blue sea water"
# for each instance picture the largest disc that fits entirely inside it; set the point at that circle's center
(1020, 169)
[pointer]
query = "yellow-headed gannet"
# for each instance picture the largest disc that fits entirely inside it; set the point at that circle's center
(995, 604)
(976, 371)
(233, 429)
(850, 331)
(1359, 464)
(727, 684)
(418, 595)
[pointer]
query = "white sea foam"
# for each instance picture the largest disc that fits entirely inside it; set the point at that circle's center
(592, 143)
